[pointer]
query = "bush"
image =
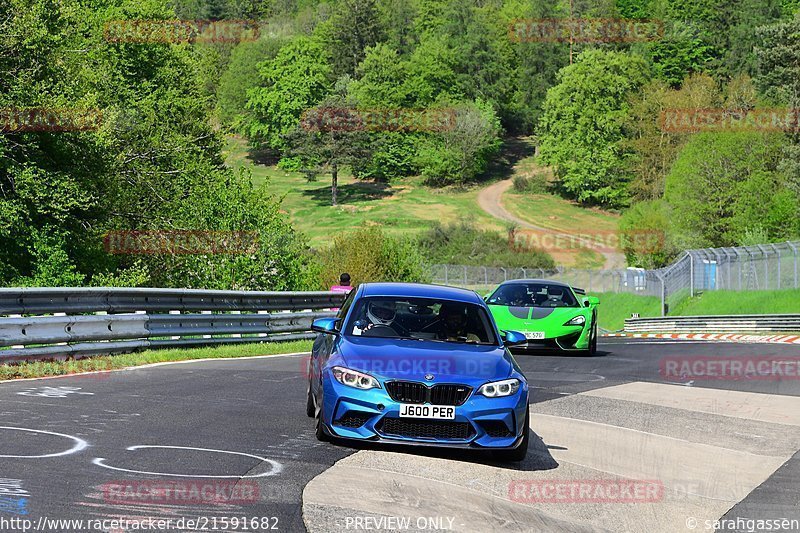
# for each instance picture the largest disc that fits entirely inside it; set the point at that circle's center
(463, 244)
(462, 152)
(536, 184)
(369, 254)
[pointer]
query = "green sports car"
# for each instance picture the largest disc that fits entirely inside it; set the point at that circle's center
(549, 313)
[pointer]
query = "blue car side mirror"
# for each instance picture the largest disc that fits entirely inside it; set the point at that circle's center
(515, 338)
(325, 325)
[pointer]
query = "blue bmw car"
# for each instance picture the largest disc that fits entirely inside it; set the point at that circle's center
(421, 365)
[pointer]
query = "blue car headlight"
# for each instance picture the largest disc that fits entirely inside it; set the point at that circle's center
(353, 378)
(498, 389)
(576, 321)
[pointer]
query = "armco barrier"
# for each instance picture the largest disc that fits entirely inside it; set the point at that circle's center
(87, 321)
(714, 324)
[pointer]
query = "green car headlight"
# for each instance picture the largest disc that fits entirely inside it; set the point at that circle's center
(576, 321)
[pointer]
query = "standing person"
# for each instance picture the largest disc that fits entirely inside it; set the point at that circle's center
(343, 286)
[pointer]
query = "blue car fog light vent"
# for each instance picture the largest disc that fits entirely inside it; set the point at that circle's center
(352, 419)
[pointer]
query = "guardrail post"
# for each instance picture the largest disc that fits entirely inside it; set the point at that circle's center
(691, 275)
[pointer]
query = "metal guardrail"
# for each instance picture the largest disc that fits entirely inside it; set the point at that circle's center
(714, 324)
(88, 321)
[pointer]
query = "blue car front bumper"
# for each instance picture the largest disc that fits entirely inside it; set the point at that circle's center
(372, 415)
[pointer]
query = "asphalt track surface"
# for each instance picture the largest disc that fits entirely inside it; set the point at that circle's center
(721, 449)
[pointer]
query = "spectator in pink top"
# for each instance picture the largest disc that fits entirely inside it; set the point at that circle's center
(343, 286)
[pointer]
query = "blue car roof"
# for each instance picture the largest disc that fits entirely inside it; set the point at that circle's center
(420, 290)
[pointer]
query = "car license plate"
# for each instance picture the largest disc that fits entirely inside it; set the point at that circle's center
(534, 335)
(440, 412)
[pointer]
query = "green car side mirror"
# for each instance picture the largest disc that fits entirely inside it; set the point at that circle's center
(591, 300)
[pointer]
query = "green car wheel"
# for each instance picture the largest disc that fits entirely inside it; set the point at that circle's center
(552, 315)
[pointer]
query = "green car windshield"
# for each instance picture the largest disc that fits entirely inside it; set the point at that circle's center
(533, 295)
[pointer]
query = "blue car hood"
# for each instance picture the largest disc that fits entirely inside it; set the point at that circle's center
(413, 360)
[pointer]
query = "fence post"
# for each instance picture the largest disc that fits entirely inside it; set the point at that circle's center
(663, 294)
(446, 281)
(740, 263)
(766, 266)
(485, 276)
(691, 275)
(778, 251)
(505, 274)
(465, 275)
(794, 251)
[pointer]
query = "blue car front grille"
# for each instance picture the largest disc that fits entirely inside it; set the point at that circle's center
(420, 428)
(415, 392)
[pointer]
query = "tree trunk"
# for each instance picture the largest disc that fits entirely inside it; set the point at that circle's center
(334, 183)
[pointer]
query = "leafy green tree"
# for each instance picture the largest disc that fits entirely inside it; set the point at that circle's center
(240, 76)
(397, 20)
(779, 79)
(380, 79)
(298, 78)
(369, 254)
(653, 149)
(462, 150)
(432, 72)
(582, 127)
(723, 185)
(328, 146)
(355, 26)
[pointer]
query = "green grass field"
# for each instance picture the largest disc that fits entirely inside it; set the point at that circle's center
(616, 307)
(740, 303)
(106, 363)
(552, 212)
(405, 207)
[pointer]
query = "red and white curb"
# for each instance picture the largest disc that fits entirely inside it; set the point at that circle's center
(726, 337)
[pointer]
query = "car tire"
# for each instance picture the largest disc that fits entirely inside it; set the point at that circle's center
(520, 452)
(593, 339)
(310, 409)
(592, 349)
(319, 427)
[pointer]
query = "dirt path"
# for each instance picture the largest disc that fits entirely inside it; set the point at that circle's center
(490, 200)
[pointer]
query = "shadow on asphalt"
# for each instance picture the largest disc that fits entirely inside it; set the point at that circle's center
(538, 458)
(559, 353)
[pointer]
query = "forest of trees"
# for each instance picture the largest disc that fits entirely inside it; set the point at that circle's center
(155, 161)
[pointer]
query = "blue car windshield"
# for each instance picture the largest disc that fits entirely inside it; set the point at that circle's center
(533, 295)
(421, 319)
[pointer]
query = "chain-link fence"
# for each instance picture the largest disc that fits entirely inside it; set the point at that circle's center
(759, 267)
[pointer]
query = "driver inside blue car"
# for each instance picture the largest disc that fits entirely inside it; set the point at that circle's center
(380, 313)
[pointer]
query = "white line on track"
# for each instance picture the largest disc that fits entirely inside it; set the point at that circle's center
(80, 444)
(276, 466)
